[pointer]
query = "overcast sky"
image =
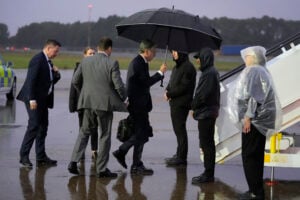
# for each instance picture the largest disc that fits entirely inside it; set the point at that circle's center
(18, 13)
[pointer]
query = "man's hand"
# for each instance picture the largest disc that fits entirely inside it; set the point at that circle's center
(191, 113)
(33, 105)
(163, 68)
(247, 125)
(166, 97)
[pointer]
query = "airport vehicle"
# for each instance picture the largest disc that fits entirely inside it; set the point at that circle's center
(8, 79)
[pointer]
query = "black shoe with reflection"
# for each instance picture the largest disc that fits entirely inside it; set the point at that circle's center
(175, 162)
(140, 170)
(72, 167)
(46, 161)
(25, 162)
(107, 174)
(203, 178)
(171, 158)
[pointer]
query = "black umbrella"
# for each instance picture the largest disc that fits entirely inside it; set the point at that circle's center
(170, 29)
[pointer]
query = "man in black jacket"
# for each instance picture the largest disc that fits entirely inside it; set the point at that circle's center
(138, 86)
(205, 106)
(179, 93)
(38, 95)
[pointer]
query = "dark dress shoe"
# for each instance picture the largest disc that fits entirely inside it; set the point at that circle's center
(203, 178)
(107, 174)
(176, 162)
(120, 158)
(171, 158)
(46, 161)
(72, 167)
(140, 170)
(249, 195)
(25, 162)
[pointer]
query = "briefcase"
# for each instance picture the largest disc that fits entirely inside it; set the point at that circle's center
(125, 129)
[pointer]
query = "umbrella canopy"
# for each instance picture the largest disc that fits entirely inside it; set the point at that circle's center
(171, 29)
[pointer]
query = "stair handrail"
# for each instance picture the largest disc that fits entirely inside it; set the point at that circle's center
(283, 44)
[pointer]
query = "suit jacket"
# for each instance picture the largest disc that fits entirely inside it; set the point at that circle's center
(138, 85)
(102, 86)
(38, 81)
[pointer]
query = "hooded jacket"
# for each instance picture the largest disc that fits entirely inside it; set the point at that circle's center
(180, 88)
(206, 102)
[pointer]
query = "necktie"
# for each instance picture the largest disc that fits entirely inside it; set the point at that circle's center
(50, 62)
(50, 68)
(51, 76)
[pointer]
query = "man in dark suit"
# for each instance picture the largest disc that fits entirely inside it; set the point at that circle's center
(140, 104)
(38, 95)
(102, 93)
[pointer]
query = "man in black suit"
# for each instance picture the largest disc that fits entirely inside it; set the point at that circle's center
(138, 85)
(38, 94)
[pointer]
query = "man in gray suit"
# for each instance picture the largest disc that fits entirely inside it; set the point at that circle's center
(102, 92)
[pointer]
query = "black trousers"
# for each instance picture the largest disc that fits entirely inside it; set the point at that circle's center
(253, 150)
(36, 131)
(139, 138)
(94, 134)
(206, 129)
(179, 117)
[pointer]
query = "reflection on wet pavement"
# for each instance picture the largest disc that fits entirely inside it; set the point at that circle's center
(136, 185)
(180, 184)
(56, 183)
(7, 111)
(216, 190)
(36, 191)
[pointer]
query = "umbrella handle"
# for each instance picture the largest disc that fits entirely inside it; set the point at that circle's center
(166, 52)
(165, 60)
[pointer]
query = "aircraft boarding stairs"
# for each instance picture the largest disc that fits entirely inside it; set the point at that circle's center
(284, 66)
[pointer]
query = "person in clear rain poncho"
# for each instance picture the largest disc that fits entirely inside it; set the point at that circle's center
(255, 108)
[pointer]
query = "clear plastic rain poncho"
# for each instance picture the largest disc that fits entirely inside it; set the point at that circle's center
(254, 95)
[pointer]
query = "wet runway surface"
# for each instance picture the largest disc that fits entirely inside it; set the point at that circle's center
(56, 183)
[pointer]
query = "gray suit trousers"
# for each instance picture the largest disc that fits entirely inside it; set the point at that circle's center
(91, 120)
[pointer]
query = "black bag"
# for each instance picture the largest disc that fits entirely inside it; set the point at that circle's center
(125, 129)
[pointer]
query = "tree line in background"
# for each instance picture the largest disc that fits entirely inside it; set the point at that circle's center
(264, 31)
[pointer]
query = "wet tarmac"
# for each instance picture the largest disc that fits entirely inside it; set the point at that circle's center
(56, 183)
